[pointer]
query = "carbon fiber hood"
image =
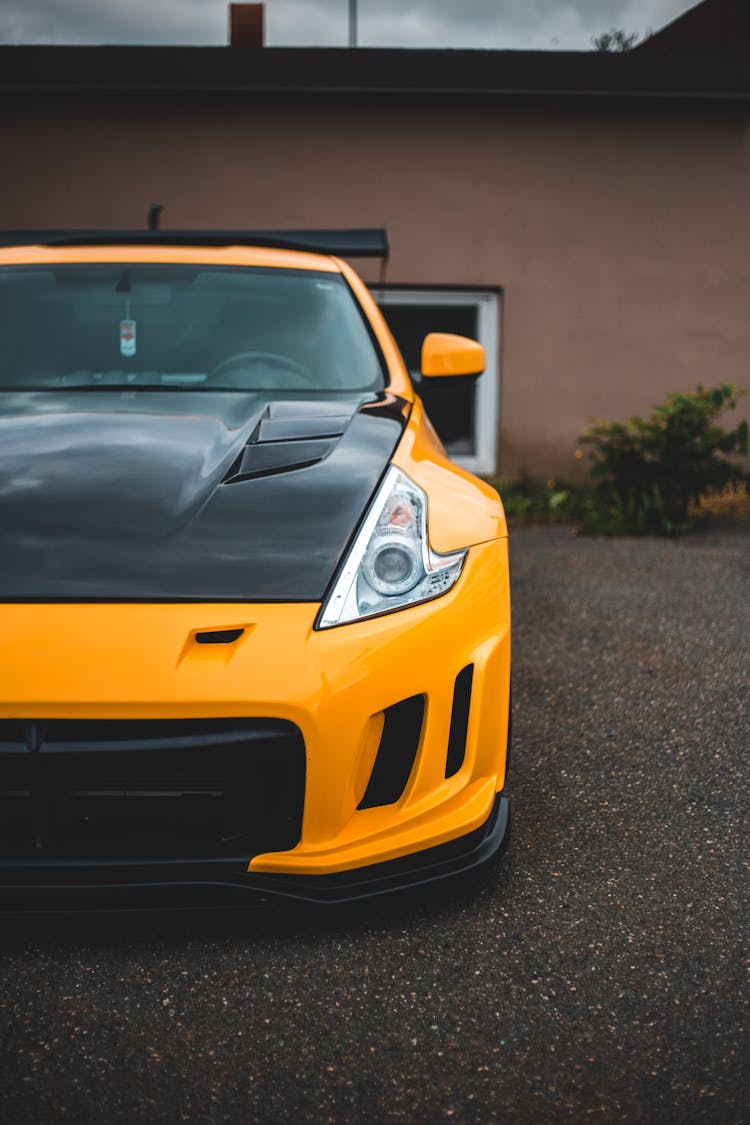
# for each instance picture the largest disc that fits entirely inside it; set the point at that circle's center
(179, 495)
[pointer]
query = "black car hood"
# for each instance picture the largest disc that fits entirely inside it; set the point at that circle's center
(183, 495)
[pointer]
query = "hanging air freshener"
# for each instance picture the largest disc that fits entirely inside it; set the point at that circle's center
(127, 326)
(127, 337)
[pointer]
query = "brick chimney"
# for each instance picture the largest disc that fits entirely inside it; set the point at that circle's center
(246, 25)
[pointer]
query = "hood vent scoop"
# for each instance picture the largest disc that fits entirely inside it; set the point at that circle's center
(288, 436)
(279, 457)
(296, 429)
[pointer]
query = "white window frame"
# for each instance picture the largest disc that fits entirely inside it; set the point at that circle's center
(487, 401)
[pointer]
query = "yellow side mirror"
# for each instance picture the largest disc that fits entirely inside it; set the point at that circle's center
(445, 355)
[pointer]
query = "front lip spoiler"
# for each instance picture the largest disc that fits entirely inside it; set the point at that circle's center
(30, 887)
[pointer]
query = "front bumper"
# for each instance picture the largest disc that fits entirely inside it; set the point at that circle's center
(189, 885)
(130, 662)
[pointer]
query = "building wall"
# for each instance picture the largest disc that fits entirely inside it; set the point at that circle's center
(620, 234)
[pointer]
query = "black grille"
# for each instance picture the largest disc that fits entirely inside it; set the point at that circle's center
(120, 789)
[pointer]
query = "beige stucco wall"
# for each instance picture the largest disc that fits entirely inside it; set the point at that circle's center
(619, 235)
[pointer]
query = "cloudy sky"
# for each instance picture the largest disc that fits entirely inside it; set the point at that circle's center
(522, 24)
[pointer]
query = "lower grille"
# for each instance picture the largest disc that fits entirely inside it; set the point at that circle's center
(122, 789)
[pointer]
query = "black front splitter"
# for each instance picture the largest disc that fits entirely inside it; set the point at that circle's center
(32, 886)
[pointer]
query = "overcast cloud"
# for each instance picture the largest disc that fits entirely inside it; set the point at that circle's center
(519, 24)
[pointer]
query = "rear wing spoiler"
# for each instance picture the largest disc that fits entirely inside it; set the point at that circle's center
(364, 242)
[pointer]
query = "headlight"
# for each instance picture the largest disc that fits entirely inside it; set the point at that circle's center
(390, 564)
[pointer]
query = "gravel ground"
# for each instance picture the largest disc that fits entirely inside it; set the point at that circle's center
(595, 973)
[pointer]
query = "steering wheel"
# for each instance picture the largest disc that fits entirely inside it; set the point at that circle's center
(273, 359)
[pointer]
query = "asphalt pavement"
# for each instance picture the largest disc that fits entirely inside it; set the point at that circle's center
(596, 973)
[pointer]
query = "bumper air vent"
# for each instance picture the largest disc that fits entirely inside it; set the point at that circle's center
(218, 636)
(402, 728)
(459, 721)
(125, 789)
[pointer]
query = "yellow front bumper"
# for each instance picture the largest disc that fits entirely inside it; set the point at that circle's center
(142, 661)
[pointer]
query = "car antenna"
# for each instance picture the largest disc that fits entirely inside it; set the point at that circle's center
(153, 220)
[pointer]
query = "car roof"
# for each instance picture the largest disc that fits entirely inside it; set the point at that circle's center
(194, 255)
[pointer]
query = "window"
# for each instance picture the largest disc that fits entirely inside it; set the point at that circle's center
(185, 327)
(466, 418)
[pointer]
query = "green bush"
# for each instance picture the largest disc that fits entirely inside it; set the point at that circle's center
(525, 500)
(649, 471)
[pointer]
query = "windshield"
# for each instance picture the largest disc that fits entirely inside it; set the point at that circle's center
(183, 327)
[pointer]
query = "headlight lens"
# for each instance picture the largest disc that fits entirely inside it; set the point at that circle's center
(390, 564)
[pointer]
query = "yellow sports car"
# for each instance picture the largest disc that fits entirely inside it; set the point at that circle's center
(255, 626)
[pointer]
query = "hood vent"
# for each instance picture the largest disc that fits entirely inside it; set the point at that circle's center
(280, 457)
(288, 436)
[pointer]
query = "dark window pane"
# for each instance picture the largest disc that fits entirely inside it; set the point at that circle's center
(451, 409)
